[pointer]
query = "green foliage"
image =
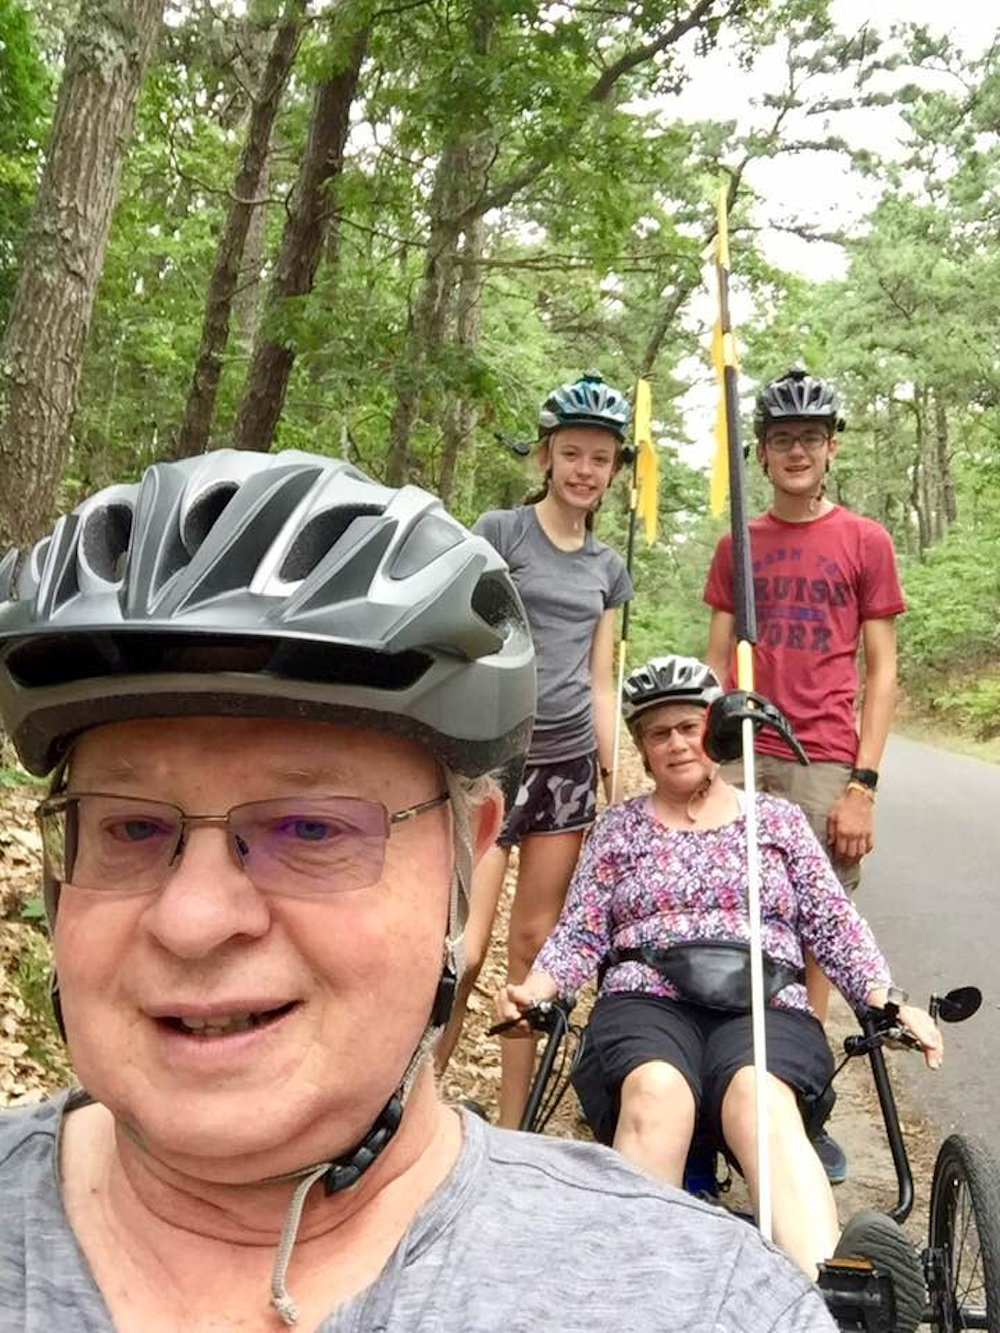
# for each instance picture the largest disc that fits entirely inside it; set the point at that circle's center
(33, 981)
(975, 709)
(606, 231)
(24, 104)
(33, 910)
(954, 600)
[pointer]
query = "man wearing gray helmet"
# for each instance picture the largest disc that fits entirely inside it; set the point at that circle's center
(272, 695)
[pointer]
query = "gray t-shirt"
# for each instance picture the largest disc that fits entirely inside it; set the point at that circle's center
(525, 1234)
(565, 593)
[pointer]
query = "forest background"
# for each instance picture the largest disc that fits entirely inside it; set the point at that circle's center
(384, 231)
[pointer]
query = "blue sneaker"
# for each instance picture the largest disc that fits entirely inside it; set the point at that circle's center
(833, 1157)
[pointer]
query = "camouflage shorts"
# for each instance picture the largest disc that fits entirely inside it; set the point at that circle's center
(553, 798)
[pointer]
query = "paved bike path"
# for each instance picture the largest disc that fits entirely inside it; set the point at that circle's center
(931, 891)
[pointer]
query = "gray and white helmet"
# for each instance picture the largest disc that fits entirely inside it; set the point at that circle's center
(587, 401)
(668, 680)
(284, 585)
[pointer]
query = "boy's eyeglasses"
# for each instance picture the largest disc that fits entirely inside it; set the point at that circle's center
(811, 437)
(293, 847)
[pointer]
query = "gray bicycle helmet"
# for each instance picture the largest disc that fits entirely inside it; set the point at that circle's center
(587, 401)
(243, 584)
(668, 680)
(285, 585)
(797, 396)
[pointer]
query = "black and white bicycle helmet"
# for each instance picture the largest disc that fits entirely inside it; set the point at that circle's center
(587, 401)
(668, 680)
(797, 396)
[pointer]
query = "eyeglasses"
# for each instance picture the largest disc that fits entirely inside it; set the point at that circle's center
(293, 847)
(810, 437)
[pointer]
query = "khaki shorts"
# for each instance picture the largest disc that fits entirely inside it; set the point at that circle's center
(815, 789)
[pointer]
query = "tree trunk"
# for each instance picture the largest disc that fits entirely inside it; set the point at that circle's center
(917, 488)
(932, 530)
(247, 297)
(946, 479)
(460, 420)
(301, 247)
(200, 407)
(42, 353)
(460, 180)
(430, 315)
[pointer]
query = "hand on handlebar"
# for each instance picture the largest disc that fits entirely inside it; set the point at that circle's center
(911, 1027)
(515, 999)
(926, 1033)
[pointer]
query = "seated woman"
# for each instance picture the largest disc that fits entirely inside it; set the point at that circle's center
(669, 868)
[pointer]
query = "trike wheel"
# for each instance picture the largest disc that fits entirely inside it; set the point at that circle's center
(877, 1238)
(965, 1237)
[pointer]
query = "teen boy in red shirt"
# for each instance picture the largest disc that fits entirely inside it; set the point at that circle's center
(825, 580)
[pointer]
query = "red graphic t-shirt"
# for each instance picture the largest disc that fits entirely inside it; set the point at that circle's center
(815, 584)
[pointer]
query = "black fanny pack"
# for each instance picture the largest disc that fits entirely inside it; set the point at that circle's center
(714, 973)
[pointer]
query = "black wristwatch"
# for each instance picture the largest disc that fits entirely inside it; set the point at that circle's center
(896, 996)
(868, 777)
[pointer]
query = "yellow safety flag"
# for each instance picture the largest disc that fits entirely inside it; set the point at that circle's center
(718, 492)
(646, 466)
(723, 354)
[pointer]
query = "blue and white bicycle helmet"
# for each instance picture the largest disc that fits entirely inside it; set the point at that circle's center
(587, 401)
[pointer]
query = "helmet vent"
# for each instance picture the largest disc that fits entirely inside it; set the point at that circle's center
(203, 515)
(318, 538)
(431, 537)
(494, 600)
(104, 541)
(43, 662)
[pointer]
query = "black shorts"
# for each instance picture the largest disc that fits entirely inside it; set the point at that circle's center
(553, 798)
(708, 1046)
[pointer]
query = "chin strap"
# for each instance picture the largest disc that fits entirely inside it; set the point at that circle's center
(337, 1175)
(344, 1172)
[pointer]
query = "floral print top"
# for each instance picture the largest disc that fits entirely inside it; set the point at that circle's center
(639, 882)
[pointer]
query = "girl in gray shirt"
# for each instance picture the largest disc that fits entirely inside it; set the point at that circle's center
(571, 585)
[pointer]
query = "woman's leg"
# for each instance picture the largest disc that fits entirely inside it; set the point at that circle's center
(656, 1120)
(805, 1216)
(547, 862)
(487, 882)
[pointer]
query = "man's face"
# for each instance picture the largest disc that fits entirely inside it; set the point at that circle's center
(796, 454)
(337, 985)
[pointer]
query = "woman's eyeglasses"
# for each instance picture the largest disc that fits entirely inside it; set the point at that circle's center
(294, 847)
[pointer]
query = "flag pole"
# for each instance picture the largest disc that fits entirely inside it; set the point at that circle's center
(633, 505)
(642, 501)
(745, 629)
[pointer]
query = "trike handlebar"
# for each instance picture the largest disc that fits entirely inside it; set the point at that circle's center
(545, 1016)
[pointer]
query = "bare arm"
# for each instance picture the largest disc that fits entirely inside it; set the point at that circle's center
(721, 643)
(879, 704)
(851, 824)
(602, 675)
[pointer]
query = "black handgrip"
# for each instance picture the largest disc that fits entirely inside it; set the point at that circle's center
(723, 740)
(538, 1018)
